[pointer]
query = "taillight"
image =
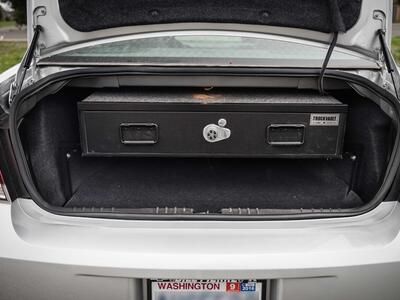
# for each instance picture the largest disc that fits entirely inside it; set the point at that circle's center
(3, 189)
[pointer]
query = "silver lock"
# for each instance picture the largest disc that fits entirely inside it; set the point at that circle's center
(213, 133)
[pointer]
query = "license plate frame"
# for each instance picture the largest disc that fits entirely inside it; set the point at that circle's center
(224, 291)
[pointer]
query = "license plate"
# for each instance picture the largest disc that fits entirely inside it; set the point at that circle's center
(206, 290)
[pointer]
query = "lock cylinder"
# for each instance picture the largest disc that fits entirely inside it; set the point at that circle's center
(213, 133)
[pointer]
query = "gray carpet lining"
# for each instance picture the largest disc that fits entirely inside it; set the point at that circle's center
(211, 184)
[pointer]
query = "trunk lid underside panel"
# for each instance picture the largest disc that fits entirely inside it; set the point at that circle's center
(324, 16)
(67, 22)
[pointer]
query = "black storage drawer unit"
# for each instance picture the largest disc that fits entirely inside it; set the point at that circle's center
(189, 123)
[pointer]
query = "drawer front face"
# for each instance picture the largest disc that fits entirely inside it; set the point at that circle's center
(269, 134)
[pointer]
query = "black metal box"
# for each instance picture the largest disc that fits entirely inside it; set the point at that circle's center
(191, 123)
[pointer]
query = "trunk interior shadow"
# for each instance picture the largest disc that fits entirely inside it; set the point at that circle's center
(66, 179)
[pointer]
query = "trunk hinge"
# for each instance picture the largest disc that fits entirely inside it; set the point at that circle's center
(391, 65)
(380, 16)
(29, 59)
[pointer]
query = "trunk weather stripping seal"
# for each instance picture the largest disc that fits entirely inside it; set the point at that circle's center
(392, 168)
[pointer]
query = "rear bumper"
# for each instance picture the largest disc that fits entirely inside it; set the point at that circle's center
(45, 256)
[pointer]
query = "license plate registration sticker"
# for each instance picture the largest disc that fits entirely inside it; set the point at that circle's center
(206, 290)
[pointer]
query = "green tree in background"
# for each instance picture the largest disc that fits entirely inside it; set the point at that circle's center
(20, 11)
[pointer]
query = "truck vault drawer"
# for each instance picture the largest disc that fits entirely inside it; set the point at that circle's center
(229, 128)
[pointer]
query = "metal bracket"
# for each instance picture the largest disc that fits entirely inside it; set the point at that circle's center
(380, 16)
(38, 12)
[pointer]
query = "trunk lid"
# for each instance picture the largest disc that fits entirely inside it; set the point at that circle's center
(68, 22)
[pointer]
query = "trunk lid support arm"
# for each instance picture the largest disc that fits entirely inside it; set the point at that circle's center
(29, 59)
(24, 66)
(390, 62)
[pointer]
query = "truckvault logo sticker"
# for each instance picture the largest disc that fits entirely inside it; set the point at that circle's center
(324, 119)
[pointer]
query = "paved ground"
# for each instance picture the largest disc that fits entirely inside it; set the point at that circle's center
(12, 34)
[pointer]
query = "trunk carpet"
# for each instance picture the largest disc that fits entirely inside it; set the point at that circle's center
(211, 184)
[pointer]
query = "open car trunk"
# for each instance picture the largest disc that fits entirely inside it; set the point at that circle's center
(128, 153)
(150, 184)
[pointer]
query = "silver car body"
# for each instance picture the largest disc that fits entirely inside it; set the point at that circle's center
(48, 256)
(44, 256)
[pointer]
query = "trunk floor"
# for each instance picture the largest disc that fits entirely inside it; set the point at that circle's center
(211, 184)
